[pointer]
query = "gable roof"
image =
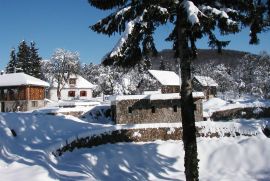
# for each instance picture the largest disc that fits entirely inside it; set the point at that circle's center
(18, 79)
(81, 83)
(166, 77)
(206, 81)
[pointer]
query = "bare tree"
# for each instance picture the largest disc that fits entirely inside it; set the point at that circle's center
(63, 63)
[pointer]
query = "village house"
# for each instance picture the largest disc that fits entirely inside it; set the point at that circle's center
(21, 92)
(169, 81)
(155, 108)
(75, 88)
(205, 84)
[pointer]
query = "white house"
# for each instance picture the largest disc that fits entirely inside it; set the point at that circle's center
(74, 89)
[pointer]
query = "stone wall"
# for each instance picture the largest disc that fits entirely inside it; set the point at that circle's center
(139, 135)
(170, 89)
(151, 111)
(247, 113)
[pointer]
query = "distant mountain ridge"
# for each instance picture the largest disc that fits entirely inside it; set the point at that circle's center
(228, 57)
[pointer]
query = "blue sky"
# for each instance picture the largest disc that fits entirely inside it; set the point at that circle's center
(64, 24)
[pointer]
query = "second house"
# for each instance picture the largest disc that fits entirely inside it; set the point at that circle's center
(75, 88)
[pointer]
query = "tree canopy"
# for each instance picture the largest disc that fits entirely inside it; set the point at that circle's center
(26, 60)
(137, 21)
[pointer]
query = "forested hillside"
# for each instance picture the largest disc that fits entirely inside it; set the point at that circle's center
(227, 57)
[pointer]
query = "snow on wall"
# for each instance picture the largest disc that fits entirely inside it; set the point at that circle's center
(154, 96)
(217, 104)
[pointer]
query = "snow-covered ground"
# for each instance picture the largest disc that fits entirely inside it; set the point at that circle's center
(28, 155)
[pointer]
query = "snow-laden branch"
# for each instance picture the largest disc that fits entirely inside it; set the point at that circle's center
(192, 12)
(129, 28)
(122, 11)
(221, 13)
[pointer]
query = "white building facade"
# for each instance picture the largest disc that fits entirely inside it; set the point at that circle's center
(76, 88)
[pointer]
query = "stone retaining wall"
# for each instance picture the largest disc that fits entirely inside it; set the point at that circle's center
(137, 135)
(246, 113)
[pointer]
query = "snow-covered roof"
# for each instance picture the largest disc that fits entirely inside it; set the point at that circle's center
(81, 83)
(154, 96)
(17, 79)
(206, 81)
(166, 77)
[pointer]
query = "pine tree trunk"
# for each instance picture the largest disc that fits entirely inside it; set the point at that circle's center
(187, 104)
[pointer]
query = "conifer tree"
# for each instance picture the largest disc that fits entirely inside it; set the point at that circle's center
(147, 63)
(28, 59)
(35, 61)
(137, 20)
(23, 58)
(12, 62)
(162, 65)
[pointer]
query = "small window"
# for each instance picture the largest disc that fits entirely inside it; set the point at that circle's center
(71, 93)
(195, 107)
(153, 108)
(83, 93)
(72, 81)
(129, 110)
(34, 103)
(175, 108)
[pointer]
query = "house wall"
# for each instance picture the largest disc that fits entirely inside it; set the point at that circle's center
(35, 93)
(21, 98)
(142, 111)
(22, 105)
(22, 93)
(170, 89)
(64, 94)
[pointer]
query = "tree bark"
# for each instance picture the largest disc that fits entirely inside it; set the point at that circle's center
(187, 104)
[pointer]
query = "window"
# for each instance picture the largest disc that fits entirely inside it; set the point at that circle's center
(195, 107)
(129, 110)
(153, 108)
(83, 93)
(72, 81)
(175, 108)
(71, 93)
(34, 103)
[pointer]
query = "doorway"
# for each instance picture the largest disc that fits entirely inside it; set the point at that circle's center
(2, 106)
